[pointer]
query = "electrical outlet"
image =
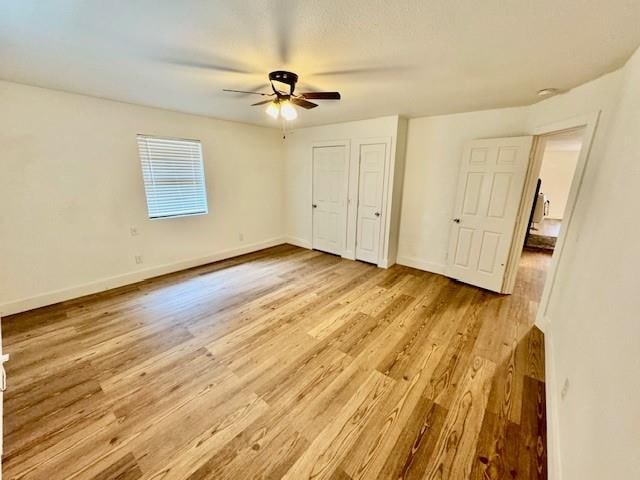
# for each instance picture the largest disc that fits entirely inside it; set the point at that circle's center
(241, 237)
(138, 259)
(134, 231)
(565, 388)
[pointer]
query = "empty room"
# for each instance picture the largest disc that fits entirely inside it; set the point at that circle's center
(319, 239)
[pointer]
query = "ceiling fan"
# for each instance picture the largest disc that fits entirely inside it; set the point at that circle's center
(283, 103)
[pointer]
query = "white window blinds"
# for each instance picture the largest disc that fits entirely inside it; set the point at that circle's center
(173, 176)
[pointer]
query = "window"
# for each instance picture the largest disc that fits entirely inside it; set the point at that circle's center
(173, 176)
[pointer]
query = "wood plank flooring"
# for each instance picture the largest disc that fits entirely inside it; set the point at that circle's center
(284, 363)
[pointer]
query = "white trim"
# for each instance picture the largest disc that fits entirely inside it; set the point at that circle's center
(298, 242)
(56, 296)
(587, 119)
(414, 262)
(387, 199)
(382, 264)
(590, 123)
(543, 324)
(552, 398)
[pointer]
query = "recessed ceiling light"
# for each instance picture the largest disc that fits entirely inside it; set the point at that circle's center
(545, 92)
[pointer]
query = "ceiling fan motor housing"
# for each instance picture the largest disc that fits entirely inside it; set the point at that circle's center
(288, 78)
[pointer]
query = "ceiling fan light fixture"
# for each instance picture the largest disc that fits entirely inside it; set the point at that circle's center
(288, 111)
(273, 110)
(282, 104)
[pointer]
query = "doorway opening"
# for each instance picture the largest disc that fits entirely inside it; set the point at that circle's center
(558, 161)
(560, 153)
(549, 194)
(506, 195)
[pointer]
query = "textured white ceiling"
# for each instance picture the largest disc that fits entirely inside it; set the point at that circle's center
(413, 58)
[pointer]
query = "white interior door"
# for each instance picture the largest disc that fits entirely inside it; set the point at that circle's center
(370, 186)
(329, 198)
(490, 188)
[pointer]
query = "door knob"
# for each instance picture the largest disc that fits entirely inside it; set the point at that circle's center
(457, 220)
(377, 214)
(314, 205)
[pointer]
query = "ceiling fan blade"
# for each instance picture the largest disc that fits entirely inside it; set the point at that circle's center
(204, 60)
(301, 102)
(210, 66)
(264, 102)
(255, 88)
(244, 91)
(364, 71)
(284, 22)
(321, 95)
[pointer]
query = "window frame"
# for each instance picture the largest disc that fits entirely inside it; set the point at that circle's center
(147, 163)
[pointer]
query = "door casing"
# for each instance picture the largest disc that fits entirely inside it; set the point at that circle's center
(588, 123)
(351, 185)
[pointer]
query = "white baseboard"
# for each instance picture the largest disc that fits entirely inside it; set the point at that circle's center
(552, 401)
(542, 323)
(56, 296)
(298, 242)
(348, 255)
(386, 263)
(413, 262)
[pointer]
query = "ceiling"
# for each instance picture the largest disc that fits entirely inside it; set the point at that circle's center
(414, 58)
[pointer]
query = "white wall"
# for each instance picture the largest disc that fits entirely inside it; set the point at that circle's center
(593, 319)
(71, 187)
(298, 168)
(556, 173)
(594, 315)
(593, 323)
(434, 150)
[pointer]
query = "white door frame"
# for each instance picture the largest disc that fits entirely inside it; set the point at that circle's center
(333, 143)
(354, 181)
(4, 357)
(589, 123)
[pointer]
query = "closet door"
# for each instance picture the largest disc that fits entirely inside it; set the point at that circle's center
(370, 192)
(329, 207)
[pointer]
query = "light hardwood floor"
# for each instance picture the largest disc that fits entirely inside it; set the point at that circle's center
(285, 363)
